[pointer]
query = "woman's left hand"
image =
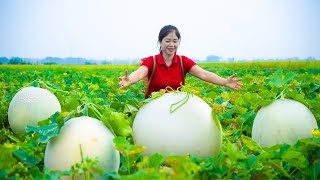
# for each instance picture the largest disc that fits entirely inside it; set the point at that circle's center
(234, 83)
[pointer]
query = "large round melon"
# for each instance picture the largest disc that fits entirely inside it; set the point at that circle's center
(29, 106)
(283, 121)
(95, 139)
(188, 130)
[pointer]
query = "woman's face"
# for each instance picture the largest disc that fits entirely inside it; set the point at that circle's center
(169, 44)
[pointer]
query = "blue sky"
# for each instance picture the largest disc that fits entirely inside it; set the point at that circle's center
(116, 29)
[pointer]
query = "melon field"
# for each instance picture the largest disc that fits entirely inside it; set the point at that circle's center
(92, 90)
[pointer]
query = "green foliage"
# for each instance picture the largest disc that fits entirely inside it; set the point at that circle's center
(93, 91)
(47, 128)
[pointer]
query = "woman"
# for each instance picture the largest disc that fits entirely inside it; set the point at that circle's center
(168, 70)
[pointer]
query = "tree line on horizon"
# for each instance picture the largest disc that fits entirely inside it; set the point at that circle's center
(84, 61)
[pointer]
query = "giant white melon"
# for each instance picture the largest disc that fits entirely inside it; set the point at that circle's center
(96, 141)
(29, 106)
(283, 121)
(188, 130)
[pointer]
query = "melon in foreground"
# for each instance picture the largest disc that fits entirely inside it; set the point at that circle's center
(96, 141)
(283, 121)
(190, 129)
(29, 106)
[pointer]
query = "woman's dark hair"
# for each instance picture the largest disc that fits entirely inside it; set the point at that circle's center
(166, 30)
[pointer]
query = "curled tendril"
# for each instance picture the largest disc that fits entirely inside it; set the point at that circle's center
(179, 88)
(175, 105)
(169, 89)
(179, 103)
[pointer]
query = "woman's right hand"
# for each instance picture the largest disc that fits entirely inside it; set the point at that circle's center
(124, 80)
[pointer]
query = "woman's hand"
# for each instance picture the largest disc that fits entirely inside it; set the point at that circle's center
(124, 80)
(234, 83)
(134, 77)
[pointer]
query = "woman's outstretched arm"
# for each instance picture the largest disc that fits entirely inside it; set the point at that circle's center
(231, 82)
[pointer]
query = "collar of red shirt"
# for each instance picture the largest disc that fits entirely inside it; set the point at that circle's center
(160, 59)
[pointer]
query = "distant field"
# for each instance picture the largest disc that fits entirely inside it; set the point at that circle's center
(266, 64)
(79, 86)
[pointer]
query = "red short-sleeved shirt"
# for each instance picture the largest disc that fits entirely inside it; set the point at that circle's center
(167, 75)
